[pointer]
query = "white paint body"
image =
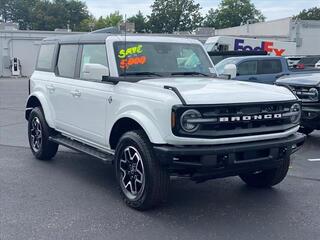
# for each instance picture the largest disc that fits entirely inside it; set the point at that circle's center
(82, 110)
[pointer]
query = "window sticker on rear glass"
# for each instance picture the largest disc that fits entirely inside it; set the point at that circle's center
(131, 56)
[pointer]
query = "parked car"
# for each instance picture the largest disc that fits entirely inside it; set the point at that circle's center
(293, 60)
(217, 56)
(307, 88)
(152, 107)
(260, 69)
(308, 62)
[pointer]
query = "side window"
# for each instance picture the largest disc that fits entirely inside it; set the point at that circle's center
(45, 57)
(67, 60)
(269, 66)
(93, 54)
(248, 68)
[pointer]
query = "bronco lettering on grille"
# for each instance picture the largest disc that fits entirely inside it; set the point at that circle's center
(250, 117)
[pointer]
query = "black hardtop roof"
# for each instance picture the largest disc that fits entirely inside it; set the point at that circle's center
(80, 38)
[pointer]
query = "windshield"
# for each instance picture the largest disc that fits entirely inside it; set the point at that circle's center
(161, 59)
(220, 66)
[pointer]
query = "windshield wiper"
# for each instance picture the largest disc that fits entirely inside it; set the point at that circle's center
(141, 74)
(189, 73)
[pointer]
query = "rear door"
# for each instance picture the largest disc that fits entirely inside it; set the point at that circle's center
(269, 70)
(62, 85)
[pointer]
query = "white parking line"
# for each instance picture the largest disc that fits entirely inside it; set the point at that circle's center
(314, 160)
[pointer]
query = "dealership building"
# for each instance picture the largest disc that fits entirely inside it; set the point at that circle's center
(21, 47)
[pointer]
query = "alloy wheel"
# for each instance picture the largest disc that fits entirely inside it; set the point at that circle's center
(132, 175)
(36, 134)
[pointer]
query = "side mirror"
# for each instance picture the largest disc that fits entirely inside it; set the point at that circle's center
(94, 71)
(230, 70)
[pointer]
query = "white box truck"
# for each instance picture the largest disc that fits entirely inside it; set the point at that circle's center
(228, 43)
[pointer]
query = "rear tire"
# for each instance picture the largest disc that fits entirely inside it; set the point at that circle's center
(38, 134)
(143, 182)
(267, 178)
(306, 130)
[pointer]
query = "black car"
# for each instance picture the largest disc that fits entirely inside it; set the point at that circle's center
(307, 88)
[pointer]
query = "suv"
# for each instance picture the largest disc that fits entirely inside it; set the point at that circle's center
(153, 107)
(260, 69)
(306, 87)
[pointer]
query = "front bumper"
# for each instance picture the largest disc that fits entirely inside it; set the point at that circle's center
(207, 162)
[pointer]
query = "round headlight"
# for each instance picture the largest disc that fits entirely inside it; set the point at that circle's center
(186, 120)
(296, 113)
(314, 94)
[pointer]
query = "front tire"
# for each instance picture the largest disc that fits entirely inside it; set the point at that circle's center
(38, 134)
(267, 178)
(143, 182)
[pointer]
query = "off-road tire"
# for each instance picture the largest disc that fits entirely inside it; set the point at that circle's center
(156, 185)
(267, 178)
(47, 149)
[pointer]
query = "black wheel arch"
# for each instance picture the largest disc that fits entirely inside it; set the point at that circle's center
(32, 103)
(122, 126)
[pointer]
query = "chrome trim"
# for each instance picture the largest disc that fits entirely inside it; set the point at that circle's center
(174, 140)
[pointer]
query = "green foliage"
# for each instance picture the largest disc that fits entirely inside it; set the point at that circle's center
(174, 15)
(309, 14)
(140, 22)
(231, 13)
(6, 7)
(167, 16)
(113, 19)
(44, 14)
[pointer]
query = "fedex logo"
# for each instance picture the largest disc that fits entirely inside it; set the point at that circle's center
(265, 46)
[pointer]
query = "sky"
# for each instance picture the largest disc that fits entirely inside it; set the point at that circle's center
(272, 9)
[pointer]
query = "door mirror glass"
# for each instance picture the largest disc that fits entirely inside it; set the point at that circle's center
(94, 71)
(230, 70)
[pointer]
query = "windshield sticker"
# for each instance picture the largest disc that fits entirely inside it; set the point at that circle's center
(130, 51)
(131, 56)
(126, 63)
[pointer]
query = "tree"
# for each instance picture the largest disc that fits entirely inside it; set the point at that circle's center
(44, 14)
(88, 24)
(111, 20)
(140, 22)
(6, 7)
(174, 15)
(231, 13)
(309, 14)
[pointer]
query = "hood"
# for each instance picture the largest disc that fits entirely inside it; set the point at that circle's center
(217, 91)
(311, 80)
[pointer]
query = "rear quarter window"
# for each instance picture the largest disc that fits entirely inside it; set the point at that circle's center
(45, 57)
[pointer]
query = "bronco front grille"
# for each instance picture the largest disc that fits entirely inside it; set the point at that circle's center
(238, 120)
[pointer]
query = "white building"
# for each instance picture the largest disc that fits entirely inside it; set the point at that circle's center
(22, 45)
(306, 34)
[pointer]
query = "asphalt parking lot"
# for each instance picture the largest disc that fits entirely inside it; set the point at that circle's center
(75, 196)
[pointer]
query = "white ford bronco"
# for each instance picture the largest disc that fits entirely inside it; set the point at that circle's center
(154, 108)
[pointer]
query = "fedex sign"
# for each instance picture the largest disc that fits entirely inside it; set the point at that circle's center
(265, 46)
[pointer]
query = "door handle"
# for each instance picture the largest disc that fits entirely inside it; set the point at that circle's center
(50, 88)
(76, 93)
